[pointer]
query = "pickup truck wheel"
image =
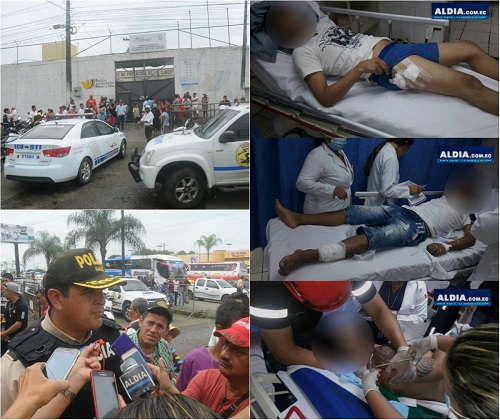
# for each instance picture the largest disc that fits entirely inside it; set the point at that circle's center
(123, 150)
(185, 189)
(125, 311)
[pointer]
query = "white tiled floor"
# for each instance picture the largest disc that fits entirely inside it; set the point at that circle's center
(483, 32)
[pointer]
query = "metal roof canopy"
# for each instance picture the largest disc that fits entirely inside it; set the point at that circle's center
(151, 62)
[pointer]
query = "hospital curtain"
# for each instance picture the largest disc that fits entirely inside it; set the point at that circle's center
(276, 164)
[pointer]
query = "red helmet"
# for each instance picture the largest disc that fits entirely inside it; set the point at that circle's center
(321, 296)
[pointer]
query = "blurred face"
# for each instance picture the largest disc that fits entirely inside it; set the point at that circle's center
(290, 24)
(134, 314)
(8, 294)
(234, 361)
(152, 329)
(401, 151)
(82, 309)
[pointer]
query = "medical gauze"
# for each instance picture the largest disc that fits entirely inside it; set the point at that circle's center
(408, 75)
(332, 252)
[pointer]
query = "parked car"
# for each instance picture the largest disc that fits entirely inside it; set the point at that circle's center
(63, 150)
(210, 289)
(122, 295)
(189, 163)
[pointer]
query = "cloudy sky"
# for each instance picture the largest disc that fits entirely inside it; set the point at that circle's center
(31, 22)
(179, 229)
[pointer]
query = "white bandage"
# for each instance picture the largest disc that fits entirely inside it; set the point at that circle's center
(408, 75)
(332, 252)
(447, 247)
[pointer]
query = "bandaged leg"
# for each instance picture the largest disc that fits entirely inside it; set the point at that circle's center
(408, 75)
(333, 252)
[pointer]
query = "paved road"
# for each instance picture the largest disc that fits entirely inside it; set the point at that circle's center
(112, 187)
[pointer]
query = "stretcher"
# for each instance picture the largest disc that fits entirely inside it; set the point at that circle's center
(278, 88)
(389, 264)
(308, 386)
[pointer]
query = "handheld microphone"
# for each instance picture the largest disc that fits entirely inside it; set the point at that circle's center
(136, 379)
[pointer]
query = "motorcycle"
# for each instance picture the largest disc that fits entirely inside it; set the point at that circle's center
(17, 130)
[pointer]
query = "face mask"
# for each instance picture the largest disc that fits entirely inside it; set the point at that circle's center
(452, 414)
(336, 145)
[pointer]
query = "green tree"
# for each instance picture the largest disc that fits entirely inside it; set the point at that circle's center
(100, 227)
(208, 242)
(44, 244)
(182, 253)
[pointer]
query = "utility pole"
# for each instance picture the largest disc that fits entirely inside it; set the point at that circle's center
(69, 87)
(17, 51)
(123, 243)
(190, 30)
(209, 37)
(110, 43)
(244, 48)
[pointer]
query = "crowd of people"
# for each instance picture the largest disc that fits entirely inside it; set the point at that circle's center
(209, 382)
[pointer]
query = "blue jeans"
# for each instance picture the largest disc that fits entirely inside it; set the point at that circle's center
(182, 297)
(387, 226)
(171, 298)
(121, 122)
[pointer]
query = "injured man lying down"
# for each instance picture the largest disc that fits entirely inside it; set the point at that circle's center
(391, 225)
(321, 48)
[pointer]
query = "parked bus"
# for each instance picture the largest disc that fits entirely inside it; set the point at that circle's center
(160, 267)
(225, 270)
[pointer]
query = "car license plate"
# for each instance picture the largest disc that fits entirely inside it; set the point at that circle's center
(27, 156)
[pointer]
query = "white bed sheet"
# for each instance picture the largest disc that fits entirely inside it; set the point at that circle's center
(407, 263)
(379, 112)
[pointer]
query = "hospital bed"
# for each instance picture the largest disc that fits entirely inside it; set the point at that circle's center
(369, 111)
(389, 264)
(318, 394)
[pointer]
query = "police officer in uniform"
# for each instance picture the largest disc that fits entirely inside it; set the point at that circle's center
(73, 285)
(16, 314)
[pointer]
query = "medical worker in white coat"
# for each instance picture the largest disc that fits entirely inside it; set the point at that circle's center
(485, 229)
(382, 169)
(326, 178)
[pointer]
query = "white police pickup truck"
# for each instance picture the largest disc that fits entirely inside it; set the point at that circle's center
(122, 295)
(211, 289)
(190, 162)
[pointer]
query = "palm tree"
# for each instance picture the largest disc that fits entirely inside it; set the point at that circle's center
(44, 244)
(99, 227)
(198, 242)
(208, 242)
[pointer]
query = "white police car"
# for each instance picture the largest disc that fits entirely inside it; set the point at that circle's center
(188, 163)
(63, 150)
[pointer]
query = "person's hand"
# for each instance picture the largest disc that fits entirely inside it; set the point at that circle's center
(368, 379)
(4, 336)
(86, 363)
(405, 371)
(416, 189)
(161, 374)
(436, 249)
(422, 346)
(374, 65)
(339, 192)
(35, 387)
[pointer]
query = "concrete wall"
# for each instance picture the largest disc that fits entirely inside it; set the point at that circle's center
(43, 83)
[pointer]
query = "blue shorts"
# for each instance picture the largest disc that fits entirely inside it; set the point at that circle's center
(387, 226)
(394, 53)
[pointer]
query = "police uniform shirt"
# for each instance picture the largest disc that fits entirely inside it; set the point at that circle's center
(16, 312)
(82, 407)
(274, 307)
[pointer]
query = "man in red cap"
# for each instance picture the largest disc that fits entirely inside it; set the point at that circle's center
(224, 390)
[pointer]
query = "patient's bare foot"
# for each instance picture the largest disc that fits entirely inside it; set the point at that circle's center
(298, 258)
(288, 217)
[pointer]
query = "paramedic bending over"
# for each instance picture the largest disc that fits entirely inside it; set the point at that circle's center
(382, 169)
(329, 50)
(326, 178)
